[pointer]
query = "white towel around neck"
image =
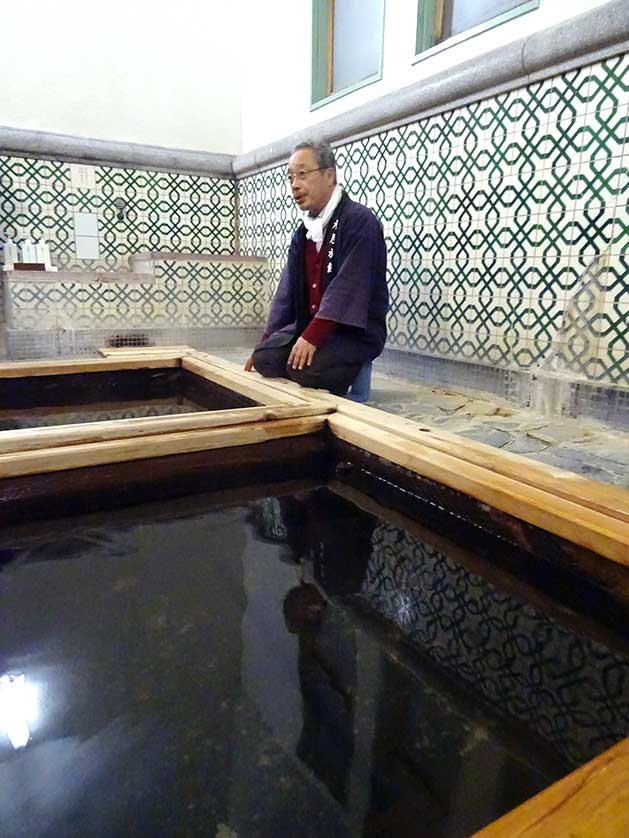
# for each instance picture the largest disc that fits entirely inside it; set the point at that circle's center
(315, 227)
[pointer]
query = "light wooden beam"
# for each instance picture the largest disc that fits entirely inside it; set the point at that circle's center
(282, 386)
(163, 445)
(611, 500)
(34, 439)
(141, 351)
(592, 802)
(247, 384)
(601, 497)
(581, 525)
(28, 369)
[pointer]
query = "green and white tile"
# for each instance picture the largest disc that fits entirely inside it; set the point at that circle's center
(495, 215)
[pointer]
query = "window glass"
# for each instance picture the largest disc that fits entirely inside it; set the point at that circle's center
(357, 41)
(442, 20)
(459, 15)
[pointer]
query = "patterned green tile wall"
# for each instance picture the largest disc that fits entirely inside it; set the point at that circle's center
(162, 211)
(183, 294)
(507, 225)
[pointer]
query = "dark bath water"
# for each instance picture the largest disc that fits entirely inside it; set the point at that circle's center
(121, 394)
(237, 671)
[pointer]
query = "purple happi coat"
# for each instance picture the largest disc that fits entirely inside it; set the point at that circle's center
(354, 282)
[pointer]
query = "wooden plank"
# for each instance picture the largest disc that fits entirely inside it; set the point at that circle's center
(216, 360)
(27, 369)
(34, 439)
(246, 384)
(592, 802)
(118, 484)
(601, 497)
(163, 445)
(281, 385)
(611, 500)
(135, 351)
(581, 525)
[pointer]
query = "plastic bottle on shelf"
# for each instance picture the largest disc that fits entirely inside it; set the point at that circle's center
(42, 253)
(11, 255)
(27, 251)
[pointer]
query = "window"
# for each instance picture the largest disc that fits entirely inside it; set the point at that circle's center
(346, 46)
(454, 20)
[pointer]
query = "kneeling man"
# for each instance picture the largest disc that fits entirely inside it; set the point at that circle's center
(328, 316)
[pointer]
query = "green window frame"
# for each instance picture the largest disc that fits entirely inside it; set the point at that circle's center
(430, 37)
(323, 56)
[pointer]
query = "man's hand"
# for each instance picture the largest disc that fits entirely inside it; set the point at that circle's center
(249, 363)
(301, 354)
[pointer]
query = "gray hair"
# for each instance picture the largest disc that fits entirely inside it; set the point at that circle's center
(324, 155)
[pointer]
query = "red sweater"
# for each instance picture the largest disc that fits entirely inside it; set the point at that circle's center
(318, 329)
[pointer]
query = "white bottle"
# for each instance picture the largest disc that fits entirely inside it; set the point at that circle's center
(11, 255)
(42, 253)
(27, 251)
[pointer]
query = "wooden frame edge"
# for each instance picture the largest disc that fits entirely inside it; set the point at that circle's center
(585, 512)
(33, 369)
(601, 497)
(33, 439)
(140, 448)
(589, 528)
(246, 384)
(591, 801)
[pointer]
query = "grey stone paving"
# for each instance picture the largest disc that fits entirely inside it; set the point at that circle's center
(585, 447)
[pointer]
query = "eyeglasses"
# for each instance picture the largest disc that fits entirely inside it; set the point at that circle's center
(291, 177)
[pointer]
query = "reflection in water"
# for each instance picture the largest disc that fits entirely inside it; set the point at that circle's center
(570, 691)
(315, 531)
(569, 688)
(327, 680)
(17, 704)
(214, 676)
(11, 420)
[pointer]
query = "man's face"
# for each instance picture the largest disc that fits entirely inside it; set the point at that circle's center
(312, 187)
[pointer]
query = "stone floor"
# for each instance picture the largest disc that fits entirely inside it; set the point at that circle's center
(585, 447)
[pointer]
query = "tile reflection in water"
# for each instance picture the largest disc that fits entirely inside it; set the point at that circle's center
(212, 674)
(567, 687)
(500, 685)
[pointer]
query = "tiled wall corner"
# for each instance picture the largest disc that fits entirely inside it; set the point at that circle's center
(268, 217)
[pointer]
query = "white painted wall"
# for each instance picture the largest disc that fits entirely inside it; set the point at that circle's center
(277, 64)
(199, 74)
(145, 71)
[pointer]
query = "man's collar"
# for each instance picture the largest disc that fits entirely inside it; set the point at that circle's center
(328, 209)
(315, 227)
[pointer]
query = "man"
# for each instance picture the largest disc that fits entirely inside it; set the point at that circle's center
(328, 316)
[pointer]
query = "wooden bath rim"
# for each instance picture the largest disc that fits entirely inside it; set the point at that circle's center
(593, 515)
(594, 799)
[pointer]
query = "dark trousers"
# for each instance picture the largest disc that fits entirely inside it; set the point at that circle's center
(334, 366)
